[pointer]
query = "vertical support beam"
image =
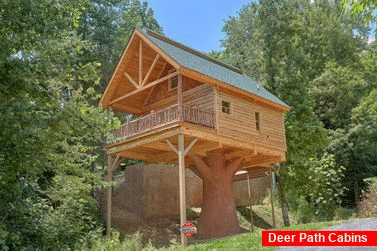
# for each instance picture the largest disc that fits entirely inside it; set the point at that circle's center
(251, 204)
(140, 62)
(272, 200)
(109, 195)
(179, 95)
(182, 185)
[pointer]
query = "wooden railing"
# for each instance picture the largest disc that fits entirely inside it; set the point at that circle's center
(197, 116)
(163, 118)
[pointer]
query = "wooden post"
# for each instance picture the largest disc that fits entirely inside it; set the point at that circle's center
(272, 201)
(179, 95)
(109, 195)
(182, 185)
(181, 152)
(251, 205)
(140, 62)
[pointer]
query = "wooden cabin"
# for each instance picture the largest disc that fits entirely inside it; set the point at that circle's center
(173, 89)
(185, 103)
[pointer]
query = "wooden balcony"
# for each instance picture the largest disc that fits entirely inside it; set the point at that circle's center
(163, 118)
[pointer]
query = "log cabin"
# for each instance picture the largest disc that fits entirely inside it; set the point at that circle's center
(186, 104)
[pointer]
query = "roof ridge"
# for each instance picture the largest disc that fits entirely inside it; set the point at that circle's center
(192, 51)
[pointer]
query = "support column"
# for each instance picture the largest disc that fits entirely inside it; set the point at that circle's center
(181, 152)
(182, 185)
(111, 165)
(179, 97)
(109, 195)
(272, 200)
(250, 202)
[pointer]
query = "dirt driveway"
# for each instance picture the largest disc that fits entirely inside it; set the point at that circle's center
(359, 224)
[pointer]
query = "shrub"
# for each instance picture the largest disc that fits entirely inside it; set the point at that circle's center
(367, 207)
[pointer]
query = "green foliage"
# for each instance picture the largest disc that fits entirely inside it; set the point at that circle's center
(336, 91)
(51, 129)
(365, 7)
(108, 24)
(367, 207)
(355, 146)
(317, 189)
(132, 242)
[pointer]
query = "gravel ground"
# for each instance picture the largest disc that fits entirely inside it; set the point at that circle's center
(359, 224)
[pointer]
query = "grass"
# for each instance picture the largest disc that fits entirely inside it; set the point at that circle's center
(253, 240)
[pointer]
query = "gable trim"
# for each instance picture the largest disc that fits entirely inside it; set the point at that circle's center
(160, 51)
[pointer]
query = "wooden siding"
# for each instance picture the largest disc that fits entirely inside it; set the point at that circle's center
(201, 97)
(194, 95)
(240, 123)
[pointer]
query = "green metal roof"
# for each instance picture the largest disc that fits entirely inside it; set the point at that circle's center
(201, 63)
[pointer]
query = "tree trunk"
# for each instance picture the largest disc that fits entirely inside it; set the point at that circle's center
(283, 202)
(219, 216)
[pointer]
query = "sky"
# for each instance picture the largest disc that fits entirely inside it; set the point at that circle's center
(195, 23)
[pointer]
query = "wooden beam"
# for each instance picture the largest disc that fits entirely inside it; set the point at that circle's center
(173, 147)
(182, 185)
(250, 202)
(109, 195)
(212, 136)
(261, 161)
(114, 163)
(140, 61)
(124, 108)
(272, 200)
(188, 148)
(158, 145)
(133, 82)
(109, 88)
(144, 87)
(179, 97)
(166, 56)
(241, 153)
(150, 69)
(159, 76)
(141, 141)
(133, 155)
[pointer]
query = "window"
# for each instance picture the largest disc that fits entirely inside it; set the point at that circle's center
(225, 107)
(172, 82)
(257, 120)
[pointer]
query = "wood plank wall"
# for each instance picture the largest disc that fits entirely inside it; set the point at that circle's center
(202, 97)
(240, 123)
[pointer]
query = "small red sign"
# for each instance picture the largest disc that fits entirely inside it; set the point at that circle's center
(188, 229)
(319, 238)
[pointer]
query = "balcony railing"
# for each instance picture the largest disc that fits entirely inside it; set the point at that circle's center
(197, 116)
(162, 118)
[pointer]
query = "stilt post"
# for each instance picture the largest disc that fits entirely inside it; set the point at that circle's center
(109, 195)
(250, 202)
(272, 200)
(182, 185)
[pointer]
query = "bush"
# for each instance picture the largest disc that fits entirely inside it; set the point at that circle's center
(342, 213)
(367, 207)
(132, 242)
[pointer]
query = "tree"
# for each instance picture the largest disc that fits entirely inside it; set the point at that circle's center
(108, 24)
(218, 197)
(355, 147)
(360, 7)
(52, 130)
(336, 92)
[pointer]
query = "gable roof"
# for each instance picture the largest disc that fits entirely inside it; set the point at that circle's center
(194, 60)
